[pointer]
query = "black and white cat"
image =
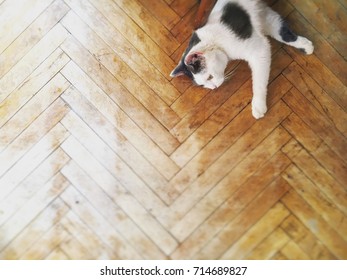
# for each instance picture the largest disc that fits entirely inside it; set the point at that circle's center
(237, 29)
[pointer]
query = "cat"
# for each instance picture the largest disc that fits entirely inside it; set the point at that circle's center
(237, 29)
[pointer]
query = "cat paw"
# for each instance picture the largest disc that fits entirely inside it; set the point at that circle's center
(258, 109)
(307, 46)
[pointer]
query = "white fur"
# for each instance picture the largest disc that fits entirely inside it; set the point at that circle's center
(219, 45)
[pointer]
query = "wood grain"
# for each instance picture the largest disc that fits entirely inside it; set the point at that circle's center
(104, 156)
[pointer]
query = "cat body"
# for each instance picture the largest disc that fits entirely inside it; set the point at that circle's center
(237, 29)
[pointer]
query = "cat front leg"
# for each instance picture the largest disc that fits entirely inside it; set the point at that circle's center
(260, 62)
(259, 107)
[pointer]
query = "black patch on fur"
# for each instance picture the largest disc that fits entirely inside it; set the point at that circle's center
(238, 20)
(195, 67)
(302, 50)
(287, 35)
(194, 40)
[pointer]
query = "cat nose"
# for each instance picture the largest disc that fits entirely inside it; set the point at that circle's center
(213, 86)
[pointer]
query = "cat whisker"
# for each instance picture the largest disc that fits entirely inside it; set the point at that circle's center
(231, 73)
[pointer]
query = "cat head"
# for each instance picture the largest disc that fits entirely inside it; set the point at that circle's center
(205, 67)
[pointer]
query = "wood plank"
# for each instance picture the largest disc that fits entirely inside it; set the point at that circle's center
(302, 132)
(31, 64)
(200, 113)
(46, 244)
(104, 27)
(318, 123)
(279, 256)
(74, 249)
(33, 232)
(150, 25)
(293, 252)
(17, 20)
(32, 135)
(32, 110)
(81, 232)
(31, 208)
(273, 243)
(117, 92)
(34, 155)
(195, 168)
(181, 7)
(316, 224)
(322, 75)
(324, 50)
(292, 148)
(31, 36)
(314, 144)
(32, 85)
(270, 2)
(322, 179)
(31, 184)
(229, 148)
(104, 156)
(232, 207)
(161, 10)
(122, 72)
(141, 29)
(256, 234)
(57, 254)
(343, 3)
(304, 238)
(316, 199)
(238, 226)
(106, 170)
(101, 226)
(228, 111)
(184, 28)
(125, 213)
(330, 20)
(120, 146)
(317, 96)
(229, 184)
(187, 101)
(119, 119)
(210, 134)
(331, 162)
(182, 83)
(282, 7)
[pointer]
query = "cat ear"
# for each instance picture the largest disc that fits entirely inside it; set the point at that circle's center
(179, 70)
(192, 58)
(195, 62)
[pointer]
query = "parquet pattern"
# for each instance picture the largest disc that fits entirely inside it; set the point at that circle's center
(103, 156)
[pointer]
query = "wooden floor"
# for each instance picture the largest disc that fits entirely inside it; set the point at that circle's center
(103, 156)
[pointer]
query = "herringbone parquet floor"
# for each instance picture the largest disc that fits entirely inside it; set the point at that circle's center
(103, 156)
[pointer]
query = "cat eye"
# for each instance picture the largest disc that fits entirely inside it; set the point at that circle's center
(209, 78)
